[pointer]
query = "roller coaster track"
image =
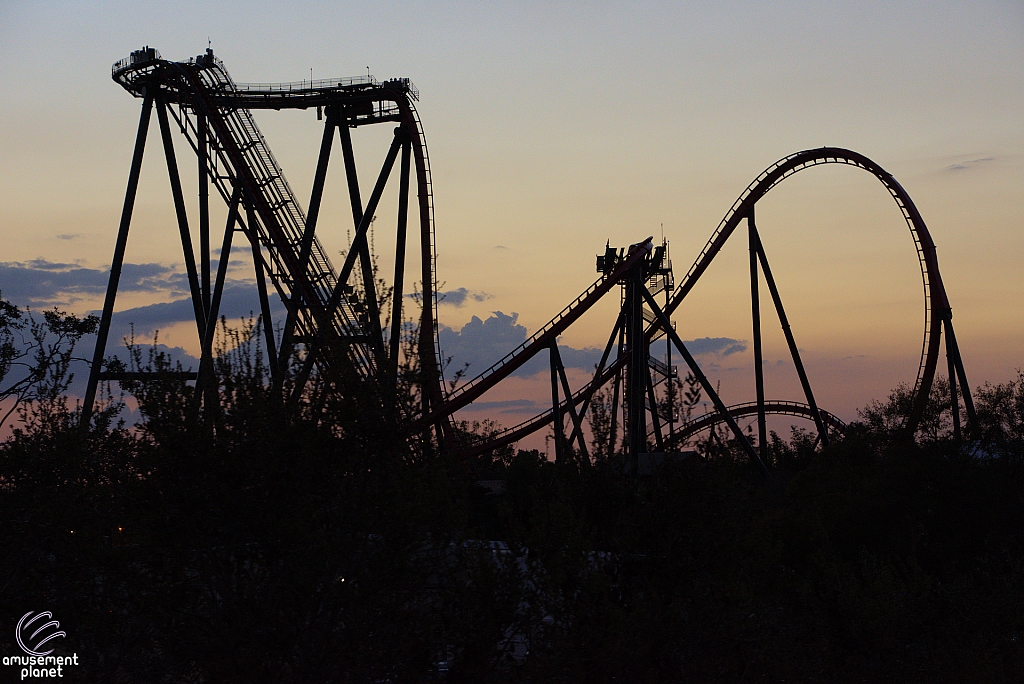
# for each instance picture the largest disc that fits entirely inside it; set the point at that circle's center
(937, 309)
(337, 322)
(936, 304)
(779, 408)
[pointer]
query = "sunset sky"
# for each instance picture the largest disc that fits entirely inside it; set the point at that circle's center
(555, 127)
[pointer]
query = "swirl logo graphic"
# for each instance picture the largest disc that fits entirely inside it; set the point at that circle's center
(47, 631)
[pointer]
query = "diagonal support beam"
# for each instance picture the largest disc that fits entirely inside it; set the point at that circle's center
(308, 234)
(259, 266)
(202, 151)
(653, 400)
(117, 262)
(346, 269)
(570, 404)
(965, 387)
(600, 369)
(360, 247)
(350, 173)
(790, 340)
(705, 383)
(359, 241)
(616, 393)
(954, 401)
(370, 295)
(317, 193)
(179, 209)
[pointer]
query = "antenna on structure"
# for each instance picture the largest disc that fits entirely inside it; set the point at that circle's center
(367, 73)
(662, 232)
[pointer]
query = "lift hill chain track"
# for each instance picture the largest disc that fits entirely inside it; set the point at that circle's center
(333, 319)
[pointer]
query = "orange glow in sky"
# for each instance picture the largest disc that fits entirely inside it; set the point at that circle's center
(556, 127)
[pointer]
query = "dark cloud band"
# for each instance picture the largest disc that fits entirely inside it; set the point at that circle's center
(480, 343)
(41, 283)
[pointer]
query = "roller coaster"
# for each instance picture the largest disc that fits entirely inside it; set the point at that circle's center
(342, 330)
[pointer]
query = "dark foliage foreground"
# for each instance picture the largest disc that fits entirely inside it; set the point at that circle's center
(269, 550)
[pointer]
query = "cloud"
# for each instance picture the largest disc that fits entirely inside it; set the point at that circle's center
(41, 282)
(239, 300)
(585, 358)
(969, 164)
(523, 406)
(481, 343)
(718, 346)
(457, 298)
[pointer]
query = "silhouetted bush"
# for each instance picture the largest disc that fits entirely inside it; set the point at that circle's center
(250, 545)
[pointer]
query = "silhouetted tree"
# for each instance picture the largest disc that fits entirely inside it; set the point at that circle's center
(255, 544)
(35, 359)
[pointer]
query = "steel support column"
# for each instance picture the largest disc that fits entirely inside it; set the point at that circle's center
(350, 172)
(363, 227)
(672, 389)
(636, 426)
(556, 409)
(317, 193)
(117, 262)
(398, 291)
(360, 246)
(755, 316)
